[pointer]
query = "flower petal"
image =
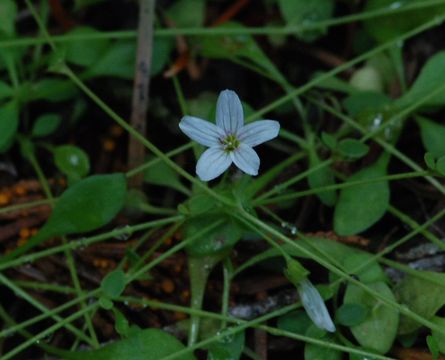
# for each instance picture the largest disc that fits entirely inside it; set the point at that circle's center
(315, 306)
(246, 159)
(229, 112)
(258, 132)
(212, 163)
(202, 131)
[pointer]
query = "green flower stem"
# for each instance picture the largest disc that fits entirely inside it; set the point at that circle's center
(34, 285)
(25, 296)
(47, 314)
(150, 209)
(31, 204)
(227, 276)
(68, 252)
(77, 244)
(50, 330)
(402, 309)
(344, 185)
(221, 31)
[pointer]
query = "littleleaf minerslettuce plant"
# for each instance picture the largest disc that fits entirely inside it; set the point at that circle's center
(232, 141)
(229, 140)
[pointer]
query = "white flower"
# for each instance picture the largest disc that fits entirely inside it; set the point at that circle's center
(314, 305)
(229, 140)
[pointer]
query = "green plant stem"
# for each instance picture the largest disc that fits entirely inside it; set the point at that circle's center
(77, 244)
(25, 296)
(227, 276)
(155, 210)
(344, 185)
(68, 252)
(31, 204)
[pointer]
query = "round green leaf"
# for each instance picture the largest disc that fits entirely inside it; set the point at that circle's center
(229, 347)
(361, 206)
(430, 161)
(46, 124)
(72, 161)
(367, 79)
(433, 135)
(379, 329)
(322, 177)
(105, 303)
(351, 314)
(297, 322)
(113, 284)
(353, 148)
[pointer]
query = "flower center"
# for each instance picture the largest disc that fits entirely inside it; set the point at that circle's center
(230, 143)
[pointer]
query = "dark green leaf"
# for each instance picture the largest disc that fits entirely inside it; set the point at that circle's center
(430, 161)
(105, 303)
(148, 344)
(53, 90)
(72, 161)
(353, 148)
(222, 238)
(384, 28)
(365, 102)
(113, 284)
(351, 314)
(433, 135)
(302, 12)
(8, 13)
(423, 295)
(430, 79)
(361, 206)
(5, 90)
(370, 273)
(187, 13)
(227, 348)
(297, 322)
(379, 329)
(46, 124)
(117, 61)
(163, 175)
(9, 122)
(433, 345)
(121, 323)
(85, 52)
(439, 337)
(162, 48)
(320, 178)
(440, 165)
(87, 205)
(329, 140)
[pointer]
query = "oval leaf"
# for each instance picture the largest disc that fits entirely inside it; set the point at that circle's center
(379, 329)
(148, 344)
(46, 124)
(351, 314)
(361, 206)
(113, 284)
(353, 148)
(72, 161)
(322, 177)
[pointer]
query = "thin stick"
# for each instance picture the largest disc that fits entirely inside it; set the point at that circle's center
(136, 150)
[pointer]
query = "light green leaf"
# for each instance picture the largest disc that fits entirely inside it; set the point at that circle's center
(303, 12)
(148, 344)
(85, 52)
(87, 205)
(433, 135)
(9, 122)
(440, 321)
(361, 206)
(113, 284)
(72, 161)
(367, 79)
(379, 330)
(320, 178)
(423, 295)
(430, 79)
(46, 124)
(8, 13)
